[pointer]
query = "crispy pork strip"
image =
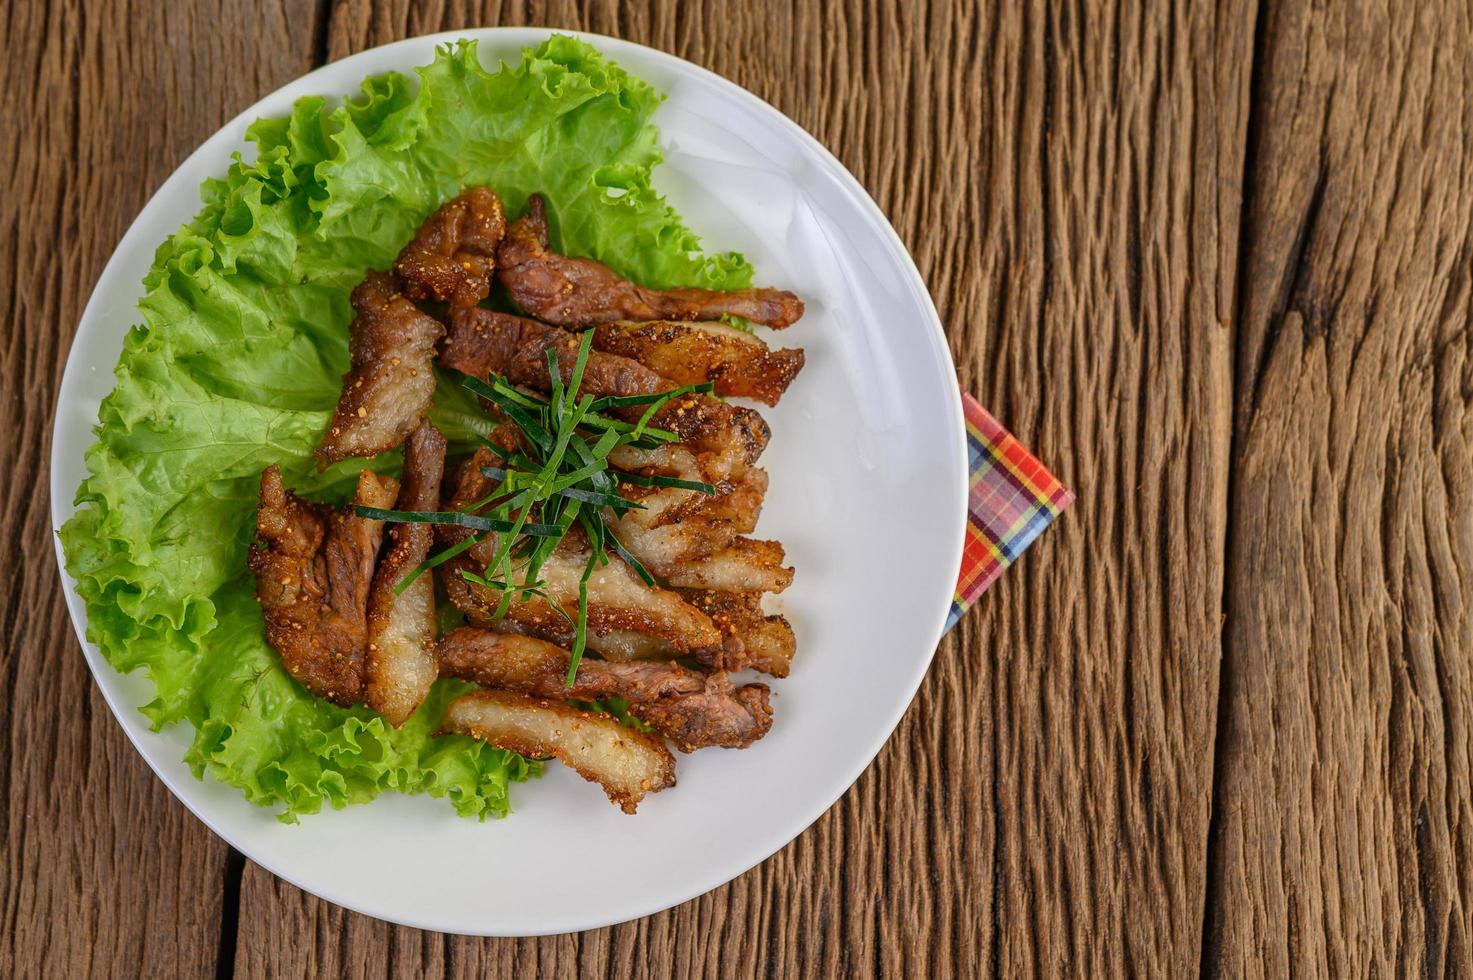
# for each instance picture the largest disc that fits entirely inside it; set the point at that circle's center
(400, 666)
(482, 342)
(755, 640)
(621, 646)
(704, 554)
(313, 566)
(619, 602)
(628, 764)
(391, 377)
(692, 709)
(745, 565)
(453, 255)
(470, 485)
(736, 502)
(740, 364)
(687, 535)
(667, 544)
(768, 643)
(673, 459)
(578, 292)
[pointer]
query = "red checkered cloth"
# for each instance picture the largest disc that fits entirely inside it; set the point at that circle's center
(1012, 499)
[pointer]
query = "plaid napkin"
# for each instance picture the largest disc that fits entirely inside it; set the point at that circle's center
(1013, 498)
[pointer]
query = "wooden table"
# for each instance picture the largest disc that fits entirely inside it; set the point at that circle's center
(1214, 266)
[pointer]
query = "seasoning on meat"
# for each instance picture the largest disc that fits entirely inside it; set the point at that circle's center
(313, 566)
(400, 665)
(452, 257)
(482, 342)
(692, 709)
(573, 292)
(627, 763)
(391, 377)
(619, 602)
(767, 642)
(740, 364)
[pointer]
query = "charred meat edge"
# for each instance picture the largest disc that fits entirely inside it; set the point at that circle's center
(739, 364)
(628, 764)
(313, 566)
(453, 255)
(575, 292)
(692, 709)
(400, 665)
(391, 374)
(482, 342)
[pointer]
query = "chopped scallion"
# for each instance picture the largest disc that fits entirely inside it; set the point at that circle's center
(562, 477)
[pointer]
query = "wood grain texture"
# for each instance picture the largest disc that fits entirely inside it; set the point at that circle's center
(1344, 839)
(1069, 190)
(102, 872)
(1108, 260)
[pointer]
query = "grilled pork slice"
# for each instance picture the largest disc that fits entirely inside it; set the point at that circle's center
(673, 459)
(391, 376)
(693, 539)
(453, 255)
(313, 566)
(578, 292)
(619, 602)
(767, 642)
(481, 342)
(692, 709)
(400, 666)
(661, 549)
(746, 565)
(628, 764)
(736, 502)
(738, 363)
(704, 554)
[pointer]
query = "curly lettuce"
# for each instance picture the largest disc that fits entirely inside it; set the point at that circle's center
(236, 367)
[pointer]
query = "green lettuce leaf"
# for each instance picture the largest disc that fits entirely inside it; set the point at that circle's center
(237, 363)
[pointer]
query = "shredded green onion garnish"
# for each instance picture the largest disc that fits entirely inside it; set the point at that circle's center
(639, 480)
(562, 477)
(474, 521)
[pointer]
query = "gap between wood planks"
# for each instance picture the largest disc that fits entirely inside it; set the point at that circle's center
(235, 863)
(1209, 964)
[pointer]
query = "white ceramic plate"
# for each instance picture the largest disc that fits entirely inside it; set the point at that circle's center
(868, 466)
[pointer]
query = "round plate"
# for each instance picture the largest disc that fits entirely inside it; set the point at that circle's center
(868, 472)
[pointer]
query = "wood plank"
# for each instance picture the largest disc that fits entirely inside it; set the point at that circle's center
(1344, 840)
(1068, 181)
(1108, 255)
(102, 872)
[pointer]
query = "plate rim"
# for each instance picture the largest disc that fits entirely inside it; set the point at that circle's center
(62, 497)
